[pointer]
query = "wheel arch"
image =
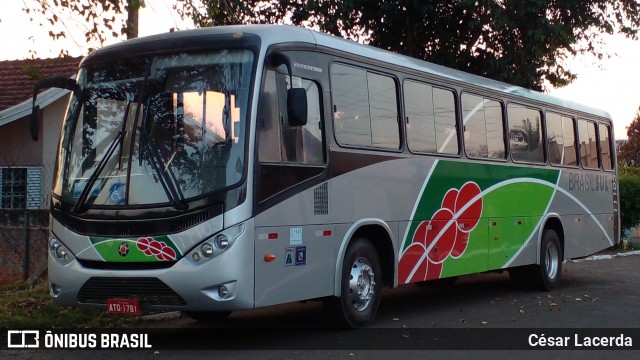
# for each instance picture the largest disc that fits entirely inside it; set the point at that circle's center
(552, 222)
(381, 237)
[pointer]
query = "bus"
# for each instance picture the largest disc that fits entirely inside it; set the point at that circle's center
(238, 167)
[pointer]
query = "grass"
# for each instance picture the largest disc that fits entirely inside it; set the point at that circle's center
(30, 306)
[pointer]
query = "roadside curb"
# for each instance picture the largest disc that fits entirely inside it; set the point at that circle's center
(607, 256)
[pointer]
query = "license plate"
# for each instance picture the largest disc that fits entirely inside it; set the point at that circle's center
(123, 306)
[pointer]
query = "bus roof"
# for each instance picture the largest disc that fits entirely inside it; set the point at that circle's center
(280, 34)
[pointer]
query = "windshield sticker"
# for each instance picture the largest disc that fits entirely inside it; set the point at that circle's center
(116, 193)
(295, 256)
(80, 184)
(289, 256)
(301, 255)
(295, 236)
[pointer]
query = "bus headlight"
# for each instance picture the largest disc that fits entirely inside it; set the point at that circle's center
(217, 244)
(59, 252)
(221, 241)
(207, 249)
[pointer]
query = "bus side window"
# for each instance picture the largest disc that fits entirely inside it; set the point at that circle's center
(268, 124)
(525, 134)
(303, 144)
(365, 108)
(483, 127)
(561, 140)
(280, 142)
(588, 144)
(605, 147)
(431, 118)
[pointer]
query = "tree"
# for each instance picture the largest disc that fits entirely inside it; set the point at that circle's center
(630, 151)
(206, 13)
(106, 19)
(103, 18)
(521, 42)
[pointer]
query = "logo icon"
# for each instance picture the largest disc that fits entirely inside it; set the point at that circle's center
(151, 247)
(23, 338)
(123, 249)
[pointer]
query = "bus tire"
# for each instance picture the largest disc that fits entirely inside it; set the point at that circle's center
(546, 276)
(208, 316)
(361, 287)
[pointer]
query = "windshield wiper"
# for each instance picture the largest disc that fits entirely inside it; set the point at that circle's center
(169, 184)
(82, 200)
(94, 176)
(166, 177)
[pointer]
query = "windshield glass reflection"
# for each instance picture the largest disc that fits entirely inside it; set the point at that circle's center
(155, 130)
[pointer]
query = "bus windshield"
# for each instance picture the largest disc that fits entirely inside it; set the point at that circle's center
(155, 130)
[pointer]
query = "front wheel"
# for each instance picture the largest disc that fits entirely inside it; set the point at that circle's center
(361, 286)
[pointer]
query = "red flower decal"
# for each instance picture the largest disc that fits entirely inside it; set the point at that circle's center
(151, 247)
(445, 235)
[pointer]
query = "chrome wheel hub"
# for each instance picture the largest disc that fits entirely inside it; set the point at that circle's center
(552, 259)
(361, 285)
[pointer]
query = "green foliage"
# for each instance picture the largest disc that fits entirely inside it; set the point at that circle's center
(630, 151)
(629, 194)
(521, 42)
(517, 41)
(30, 306)
(32, 72)
(102, 18)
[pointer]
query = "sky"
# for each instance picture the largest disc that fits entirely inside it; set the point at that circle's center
(609, 84)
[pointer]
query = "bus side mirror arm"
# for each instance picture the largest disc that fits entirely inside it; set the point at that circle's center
(57, 82)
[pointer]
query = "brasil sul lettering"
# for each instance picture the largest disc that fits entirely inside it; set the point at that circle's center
(588, 182)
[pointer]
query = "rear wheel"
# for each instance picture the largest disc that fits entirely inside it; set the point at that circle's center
(546, 275)
(361, 286)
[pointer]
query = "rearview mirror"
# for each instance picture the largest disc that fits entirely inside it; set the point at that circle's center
(297, 106)
(56, 82)
(296, 97)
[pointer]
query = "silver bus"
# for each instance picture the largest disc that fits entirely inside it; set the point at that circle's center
(238, 167)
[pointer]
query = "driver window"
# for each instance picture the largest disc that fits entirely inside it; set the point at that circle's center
(278, 141)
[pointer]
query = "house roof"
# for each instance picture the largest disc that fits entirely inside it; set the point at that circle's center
(17, 77)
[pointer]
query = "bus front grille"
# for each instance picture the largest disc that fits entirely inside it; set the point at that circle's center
(148, 290)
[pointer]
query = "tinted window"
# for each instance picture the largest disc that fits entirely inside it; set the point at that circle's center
(365, 108)
(561, 140)
(483, 127)
(525, 134)
(605, 147)
(351, 105)
(588, 144)
(431, 119)
(279, 142)
(383, 108)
